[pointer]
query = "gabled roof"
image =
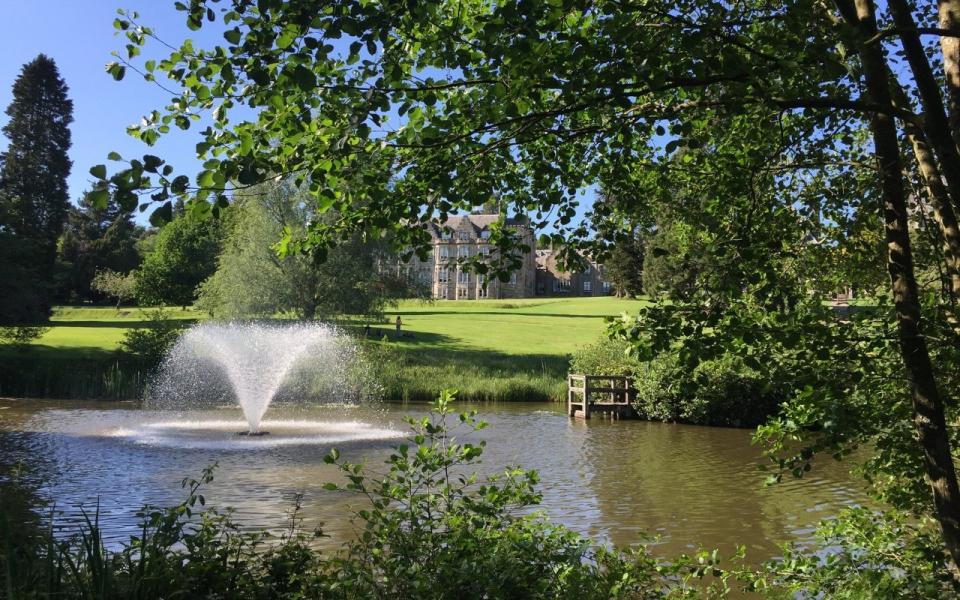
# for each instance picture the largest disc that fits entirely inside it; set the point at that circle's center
(471, 223)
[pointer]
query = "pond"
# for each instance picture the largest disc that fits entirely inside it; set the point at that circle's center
(625, 482)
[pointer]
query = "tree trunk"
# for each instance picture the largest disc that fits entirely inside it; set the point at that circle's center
(929, 418)
(949, 12)
(943, 212)
(935, 122)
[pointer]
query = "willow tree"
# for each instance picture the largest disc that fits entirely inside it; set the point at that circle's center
(397, 113)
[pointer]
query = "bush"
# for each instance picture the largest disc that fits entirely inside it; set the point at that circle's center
(872, 555)
(148, 345)
(606, 357)
(723, 391)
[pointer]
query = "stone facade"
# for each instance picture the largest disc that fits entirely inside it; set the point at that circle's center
(553, 281)
(465, 237)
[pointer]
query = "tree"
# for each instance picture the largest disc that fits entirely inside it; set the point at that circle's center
(183, 255)
(537, 100)
(33, 189)
(252, 280)
(624, 267)
(95, 240)
(115, 285)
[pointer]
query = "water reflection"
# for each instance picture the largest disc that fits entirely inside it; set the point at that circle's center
(609, 480)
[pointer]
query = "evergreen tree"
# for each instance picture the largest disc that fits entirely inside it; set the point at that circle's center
(95, 239)
(624, 267)
(33, 189)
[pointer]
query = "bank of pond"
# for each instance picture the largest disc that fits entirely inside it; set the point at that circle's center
(662, 490)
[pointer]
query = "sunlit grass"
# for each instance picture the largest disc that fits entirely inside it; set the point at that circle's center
(487, 349)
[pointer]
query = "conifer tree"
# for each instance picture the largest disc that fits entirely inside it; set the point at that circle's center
(33, 189)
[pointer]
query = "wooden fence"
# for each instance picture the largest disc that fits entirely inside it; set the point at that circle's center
(605, 394)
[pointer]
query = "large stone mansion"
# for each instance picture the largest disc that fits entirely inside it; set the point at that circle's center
(467, 236)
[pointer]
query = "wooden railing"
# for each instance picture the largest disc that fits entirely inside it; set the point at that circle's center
(606, 393)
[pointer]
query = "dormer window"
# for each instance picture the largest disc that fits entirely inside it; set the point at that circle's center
(463, 236)
(485, 234)
(445, 235)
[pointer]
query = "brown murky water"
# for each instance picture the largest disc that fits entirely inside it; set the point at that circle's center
(618, 481)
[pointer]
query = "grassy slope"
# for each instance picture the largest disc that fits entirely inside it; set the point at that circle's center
(492, 349)
(488, 349)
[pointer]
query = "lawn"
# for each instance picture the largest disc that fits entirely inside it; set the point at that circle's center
(488, 349)
(91, 331)
(545, 326)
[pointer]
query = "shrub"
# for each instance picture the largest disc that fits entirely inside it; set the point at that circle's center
(606, 357)
(872, 555)
(148, 344)
(723, 391)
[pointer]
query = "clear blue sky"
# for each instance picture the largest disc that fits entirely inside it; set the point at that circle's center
(79, 35)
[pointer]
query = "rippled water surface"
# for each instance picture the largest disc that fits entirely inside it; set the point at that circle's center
(619, 481)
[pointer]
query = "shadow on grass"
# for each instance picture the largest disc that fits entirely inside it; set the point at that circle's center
(127, 324)
(470, 313)
(420, 367)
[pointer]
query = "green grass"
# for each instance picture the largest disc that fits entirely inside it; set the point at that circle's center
(490, 349)
(487, 349)
(90, 331)
(542, 326)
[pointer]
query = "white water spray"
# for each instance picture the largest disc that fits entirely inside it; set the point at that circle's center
(255, 360)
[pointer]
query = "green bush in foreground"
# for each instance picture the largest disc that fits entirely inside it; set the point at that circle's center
(429, 531)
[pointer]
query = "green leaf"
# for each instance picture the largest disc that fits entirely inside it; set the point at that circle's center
(98, 199)
(233, 35)
(114, 156)
(304, 78)
(162, 215)
(99, 171)
(116, 70)
(205, 179)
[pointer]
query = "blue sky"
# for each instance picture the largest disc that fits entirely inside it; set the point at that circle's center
(79, 35)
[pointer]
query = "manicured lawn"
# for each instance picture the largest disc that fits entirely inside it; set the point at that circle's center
(93, 330)
(542, 326)
(487, 349)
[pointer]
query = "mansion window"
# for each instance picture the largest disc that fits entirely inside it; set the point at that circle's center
(463, 277)
(561, 285)
(485, 234)
(587, 286)
(481, 278)
(443, 275)
(485, 250)
(461, 292)
(445, 235)
(513, 278)
(606, 286)
(444, 253)
(463, 236)
(481, 292)
(463, 251)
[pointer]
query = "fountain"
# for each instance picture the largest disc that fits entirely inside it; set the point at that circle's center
(256, 358)
(254, 366)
